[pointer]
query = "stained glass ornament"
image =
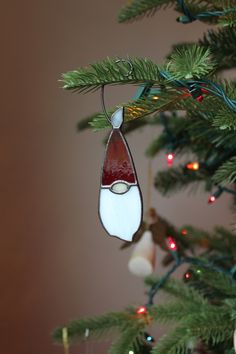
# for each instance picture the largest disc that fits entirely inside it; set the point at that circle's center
(120, 200)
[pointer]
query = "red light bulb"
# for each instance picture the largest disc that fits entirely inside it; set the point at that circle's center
(211, 199)
(204, 91)
(142, 310)
(200, 98)
(172, 244)
(170, 158)
(187, 275)
(184, 232)
(189, 166)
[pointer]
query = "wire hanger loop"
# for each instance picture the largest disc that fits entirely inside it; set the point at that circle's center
(103, 86)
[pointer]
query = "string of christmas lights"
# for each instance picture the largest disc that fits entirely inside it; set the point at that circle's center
(196, 88)
(188, 17)
(173, 142)
(199, 87)
(179, 261)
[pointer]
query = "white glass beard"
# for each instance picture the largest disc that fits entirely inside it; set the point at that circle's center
(120, 213)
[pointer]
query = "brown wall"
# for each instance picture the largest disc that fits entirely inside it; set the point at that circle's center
(56, 261)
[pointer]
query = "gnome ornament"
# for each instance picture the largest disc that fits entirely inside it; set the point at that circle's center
(120, 201)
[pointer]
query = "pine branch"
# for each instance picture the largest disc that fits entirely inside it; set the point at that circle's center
(210, 324)
(174, 312)
(195, 234)
(175, 342)
(226, 173)
(156, 146)
(205, 135)
(97, 326)
(228, 238)
(220, 329)
(85, 123)
(175, 140)
(128, 341)
(219, 281)
(229, 19)
(139, 8)
(174, 179)
(109, 71)
(190, 62)
(222, 44)
(137, 109)
(220, 240)
(225, 119)
(179, 290)
(230, 351)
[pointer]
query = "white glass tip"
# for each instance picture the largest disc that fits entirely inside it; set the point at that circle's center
(117, 118)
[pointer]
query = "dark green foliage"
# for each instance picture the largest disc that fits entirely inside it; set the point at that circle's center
(175, 342)
(180, 291)
(136, 9)
(175, 179)
(190, 62)
(226, 173)
(98, 326)
(222, 44)
(191, 309)
(129, 340)
(110, 71)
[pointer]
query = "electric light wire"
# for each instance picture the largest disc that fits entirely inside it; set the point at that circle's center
(186, 260)
(207, 85)
(188, 17)
(103, 86)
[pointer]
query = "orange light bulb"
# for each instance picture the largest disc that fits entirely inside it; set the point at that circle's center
(195, 166)
(155, 98)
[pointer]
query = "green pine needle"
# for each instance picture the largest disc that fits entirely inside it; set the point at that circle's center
(178, 289)
(109, 71)
(191, 62)
(138, 8)
(175, 179)
(98, 326)
(137, 109)
(225, 119)
(222, 44)
(128, 341)
(226, 174)
(175, 342)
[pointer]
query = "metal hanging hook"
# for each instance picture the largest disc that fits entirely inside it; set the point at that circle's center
(103, 104)
(103, 86)
(128, 62)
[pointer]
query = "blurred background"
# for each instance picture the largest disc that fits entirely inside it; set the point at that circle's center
(57, 263)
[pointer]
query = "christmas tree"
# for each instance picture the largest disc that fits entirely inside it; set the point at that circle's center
(196, 110)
